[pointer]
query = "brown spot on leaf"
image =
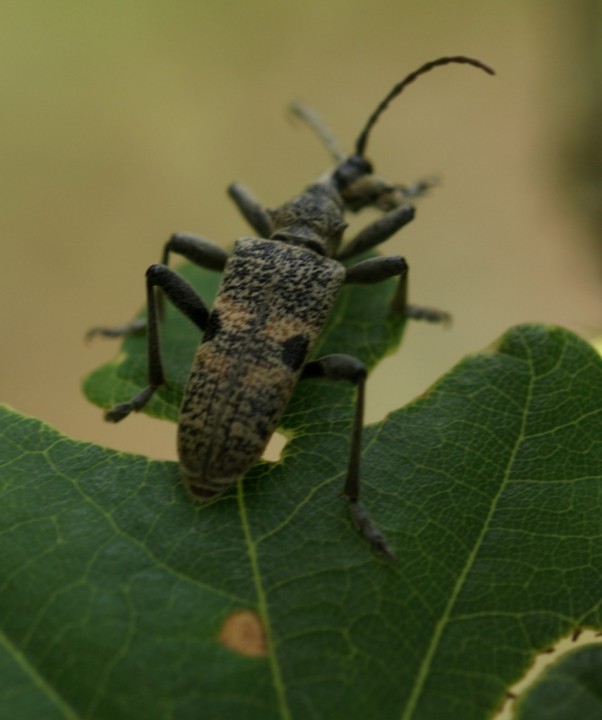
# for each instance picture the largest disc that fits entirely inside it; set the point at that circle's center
(242, 632)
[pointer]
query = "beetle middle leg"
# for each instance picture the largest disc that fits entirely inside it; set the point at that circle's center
(378, 269)
(346, 367)
(186, 299)
(251, 209)
(198, 250)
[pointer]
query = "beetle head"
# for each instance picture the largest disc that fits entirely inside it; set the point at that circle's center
(354, 177)
(312, 219)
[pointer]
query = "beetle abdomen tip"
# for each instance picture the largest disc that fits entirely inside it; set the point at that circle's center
(205, 489)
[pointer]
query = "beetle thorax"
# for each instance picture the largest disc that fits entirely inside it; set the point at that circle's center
(313, 219)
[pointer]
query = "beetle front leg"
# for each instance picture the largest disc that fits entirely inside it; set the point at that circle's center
(252, 211)
(346, 367)
(378, 269)
(186, 299)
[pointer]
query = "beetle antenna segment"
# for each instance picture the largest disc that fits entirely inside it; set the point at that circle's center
(305, 113)
(360, 145)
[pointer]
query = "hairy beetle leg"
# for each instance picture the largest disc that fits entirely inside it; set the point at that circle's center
(198, 250)
(418, 312)
(252, 211)
(378, 231)
(378, 269)
(186, 299)
(131, 328)
(121, 411)
(346, 367)
(400, 306)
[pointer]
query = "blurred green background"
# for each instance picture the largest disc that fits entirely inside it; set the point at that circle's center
(125, 121)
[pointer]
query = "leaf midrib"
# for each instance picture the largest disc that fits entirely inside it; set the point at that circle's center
(262, 606)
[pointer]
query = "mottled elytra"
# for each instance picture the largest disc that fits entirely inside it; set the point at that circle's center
(276, 294)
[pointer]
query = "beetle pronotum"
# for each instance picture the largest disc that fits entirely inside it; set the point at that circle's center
(275, 296)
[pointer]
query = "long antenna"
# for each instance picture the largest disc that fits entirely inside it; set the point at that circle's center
(360, 145)
(305, 113)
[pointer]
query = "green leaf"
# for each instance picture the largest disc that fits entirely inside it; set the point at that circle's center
(569, 689)
(120, 598)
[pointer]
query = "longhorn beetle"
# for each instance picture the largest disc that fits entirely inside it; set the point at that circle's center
(275, 296)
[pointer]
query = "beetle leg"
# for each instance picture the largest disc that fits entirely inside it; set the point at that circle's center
(345, 367)
(131, 328)
(251, 209)
(198, 250)
(378, 269)
(186, 299)
(377, 232)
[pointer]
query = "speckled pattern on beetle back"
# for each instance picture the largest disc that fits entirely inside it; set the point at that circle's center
(272, 304)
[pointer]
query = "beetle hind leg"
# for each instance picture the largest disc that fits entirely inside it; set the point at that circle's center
(400, 305)
(378, 269)
(345, 367)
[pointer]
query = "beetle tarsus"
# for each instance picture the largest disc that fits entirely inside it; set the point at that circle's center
(369, 531)
(132, 328)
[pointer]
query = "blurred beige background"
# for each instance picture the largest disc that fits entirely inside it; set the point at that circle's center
(122, 122)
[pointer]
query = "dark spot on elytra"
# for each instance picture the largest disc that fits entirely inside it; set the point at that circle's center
(294, 351)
